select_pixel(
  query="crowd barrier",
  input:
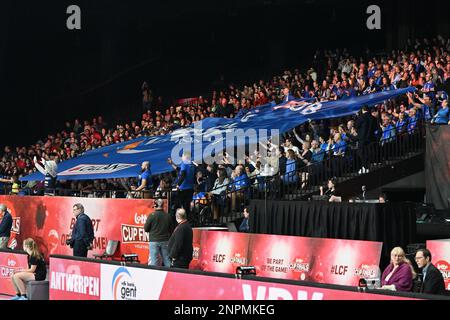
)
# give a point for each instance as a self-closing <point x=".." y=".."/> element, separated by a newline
<point x="86" y="279"/>
<point x="49" y="221"/>
<point x="330" y="261"/>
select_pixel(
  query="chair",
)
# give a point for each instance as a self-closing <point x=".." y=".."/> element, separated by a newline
<point x="38" y="290"/>
<point x="110" y="251"/>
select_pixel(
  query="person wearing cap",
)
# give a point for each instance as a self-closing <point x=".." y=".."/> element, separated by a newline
<point x="443" y="115"/>
<point x="159" y="225"/>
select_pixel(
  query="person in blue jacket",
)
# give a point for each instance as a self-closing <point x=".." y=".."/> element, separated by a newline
<point x="443" y="115"/>
<point x="185" y="183"/>
<point x="145" y="181"/>
<point x="240" y="186"/>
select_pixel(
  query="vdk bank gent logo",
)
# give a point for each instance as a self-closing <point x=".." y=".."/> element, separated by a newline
<point x="122" y="286"/>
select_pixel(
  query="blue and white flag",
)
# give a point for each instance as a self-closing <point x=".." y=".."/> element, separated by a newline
<point x="124" y="160"/>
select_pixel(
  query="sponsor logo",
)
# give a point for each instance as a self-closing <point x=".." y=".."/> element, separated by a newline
<point x="6" y="271"/>
<point x="276" y="293"/>
<point x="16" y="225"/>
<point x="134" y="234"/>
<point x="131" y="148"/>
<point x="209" y="145"/>
<point x="304" y="107"/>
<point x="196" y="252"/>
<point x="85" y="169"/>
<point x="140" y="218"/>
<point x="12" y="263"/>
<point x="300" y="266"/>
<point x="238" y="259"/>
<point x="75" y="283"/>
<point x="367" y="271"/>
<point x="123" y="286"/>
<point x="444" y="268"/>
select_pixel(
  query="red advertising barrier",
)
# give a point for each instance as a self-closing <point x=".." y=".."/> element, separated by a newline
<point x="49" y="221"/>
<point x="440" y="252"/>
<point x="179" y="287"/>
<point x="92" y="281"/>
<point x="223" y="251"/>
<point x="74" y="280"/>
<point x="9" y="263"/>
<point x="282" y="257"/>
<point x="331" y="261"/>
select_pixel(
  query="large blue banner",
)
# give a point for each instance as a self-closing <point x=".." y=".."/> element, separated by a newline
<point x="124" y="160"/>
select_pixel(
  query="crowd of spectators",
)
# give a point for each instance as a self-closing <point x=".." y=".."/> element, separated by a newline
<point x="333" y="75"/>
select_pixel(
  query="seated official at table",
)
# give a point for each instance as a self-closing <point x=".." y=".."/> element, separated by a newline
<point x="432" y="280"/>
<point x="399" y="274"/>
<point x="331" y="191"/>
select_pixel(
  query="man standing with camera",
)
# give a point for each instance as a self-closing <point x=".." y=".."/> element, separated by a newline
<point x="82" y="233"/>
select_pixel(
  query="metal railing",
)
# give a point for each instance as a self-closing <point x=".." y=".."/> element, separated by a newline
<point x="305" y="181"/>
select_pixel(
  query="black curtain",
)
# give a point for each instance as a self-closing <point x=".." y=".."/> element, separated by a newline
<point x="394" y="224"/>
<point x="437" y="166"/>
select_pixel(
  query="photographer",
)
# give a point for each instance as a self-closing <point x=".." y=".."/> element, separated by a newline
<point x="82" y="233"/>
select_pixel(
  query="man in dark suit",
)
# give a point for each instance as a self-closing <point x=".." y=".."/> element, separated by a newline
<point x="82" y="233"/>
<point x="432" y="280"/>
<point x="244" y="226"/>
<point x="6" y="222"/>
<point x="363" y="126"/>
<point x="180" y="243"/>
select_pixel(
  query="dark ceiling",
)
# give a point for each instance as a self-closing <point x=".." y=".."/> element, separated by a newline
<point x="49" y="74"/>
